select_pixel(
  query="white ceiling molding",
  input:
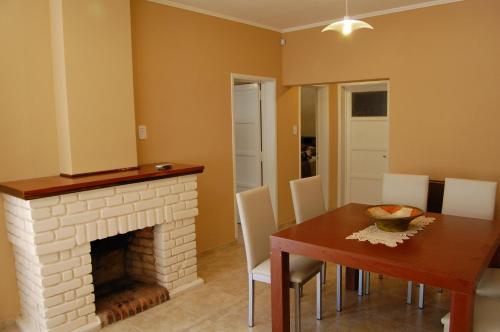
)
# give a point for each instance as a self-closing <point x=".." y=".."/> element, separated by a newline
<point x="214" y="14"/>
<point x="306" y="26"/>
<point x="373" y="14"/>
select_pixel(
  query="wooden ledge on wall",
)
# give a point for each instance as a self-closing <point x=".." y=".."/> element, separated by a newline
<point x="58" y="185"/>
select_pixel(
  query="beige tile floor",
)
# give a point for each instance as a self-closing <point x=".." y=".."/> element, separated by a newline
<point x="221" y="304"/>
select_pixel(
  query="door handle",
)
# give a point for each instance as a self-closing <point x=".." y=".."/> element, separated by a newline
<point x="384" y="156"/>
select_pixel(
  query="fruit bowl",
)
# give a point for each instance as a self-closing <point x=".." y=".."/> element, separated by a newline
<point x="392" y="217"/>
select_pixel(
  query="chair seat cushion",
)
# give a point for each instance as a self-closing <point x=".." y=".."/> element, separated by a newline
<point x="489" y="285"/>
<point x="301" y="269"/>
<point x="486" y="317"/>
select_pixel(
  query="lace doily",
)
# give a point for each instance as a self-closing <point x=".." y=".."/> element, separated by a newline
<point x="391" y="239"/>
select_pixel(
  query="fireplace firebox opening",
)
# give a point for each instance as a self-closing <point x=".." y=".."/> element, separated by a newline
<point x="124" y="275"/>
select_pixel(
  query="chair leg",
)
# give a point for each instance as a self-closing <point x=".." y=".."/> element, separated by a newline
<point x="339" y="287"/>
<point x="319" y="295"/>
<point x="297" y="307"/>
<point x="323" y="272"/>
<point x="251" y="295"/>
<point x="360" y="282"/>
<point x="421" y="295"/>
<point x="409" y="293"/>
<point x="367" y="283"/>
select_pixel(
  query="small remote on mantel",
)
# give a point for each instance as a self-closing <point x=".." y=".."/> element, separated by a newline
<point x="163" y="166"/>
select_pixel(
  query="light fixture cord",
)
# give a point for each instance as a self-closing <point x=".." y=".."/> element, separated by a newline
<point x="346" y="12"/>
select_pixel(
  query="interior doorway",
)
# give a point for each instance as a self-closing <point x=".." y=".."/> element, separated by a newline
<point x="308" y="131"/>
<point x="363" y="141"/>
<point x="253" y="105"/>
<point x="314" y="134"/>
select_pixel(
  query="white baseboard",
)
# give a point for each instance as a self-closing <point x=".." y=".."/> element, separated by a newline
<point x="91" y="327"/>
<point x="24" y="326"/>
<point x="7" y="323"/>
<point x="176" y="292"/>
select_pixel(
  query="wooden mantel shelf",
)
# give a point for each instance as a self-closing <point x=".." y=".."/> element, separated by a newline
<point x="58" y="185"/>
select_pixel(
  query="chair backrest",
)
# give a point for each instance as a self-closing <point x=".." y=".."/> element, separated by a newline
<point x="469" y="198"/>
<point x="307" y="197"/>
<point x="257" y="223"/>
<point x="406" y="189"/>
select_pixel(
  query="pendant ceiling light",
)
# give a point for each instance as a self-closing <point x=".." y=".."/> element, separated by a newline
<point x="347" y="25"/>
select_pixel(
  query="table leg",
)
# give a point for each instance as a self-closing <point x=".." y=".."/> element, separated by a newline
<point x="462" y="311"/>
<point x="495" y="262"/>
<point x="280" y="295"/>
<point x="351" y="278"/>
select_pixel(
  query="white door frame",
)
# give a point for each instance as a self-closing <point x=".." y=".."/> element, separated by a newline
<point x="342" y="140"/>
<point x="269" y="137"/>
<point x="322" y="138"/>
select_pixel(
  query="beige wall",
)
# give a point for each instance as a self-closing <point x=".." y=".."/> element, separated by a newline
<point x="308" y="100"/>
<point x="443" y="66"/>
<point x="28" y="140"/>
<point x="288" y="150"/>
<point x="182" y="66"/>
<point x="92" y="57"/>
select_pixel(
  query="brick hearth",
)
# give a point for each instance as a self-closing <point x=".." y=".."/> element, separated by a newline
<point x="136" y="299"/>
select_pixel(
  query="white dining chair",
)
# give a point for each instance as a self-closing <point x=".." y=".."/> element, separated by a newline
<point x="412" y="190"/>
<point x="307" y="197"/>
<point x="308" y="203"/>
<point x="474" y="199"/>
<point x="469" y="198"/>
<point x="258" y="224"/>
<point x="486" y="315"/>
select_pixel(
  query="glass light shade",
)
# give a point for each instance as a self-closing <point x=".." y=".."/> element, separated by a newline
<point x="347" y="25"/>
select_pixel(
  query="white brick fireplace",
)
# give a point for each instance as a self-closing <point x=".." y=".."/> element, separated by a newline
<point x="51" y="240"/>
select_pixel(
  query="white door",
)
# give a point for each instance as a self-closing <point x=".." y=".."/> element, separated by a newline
<point x="367" y="140"/>
<point x="247" y="136"/>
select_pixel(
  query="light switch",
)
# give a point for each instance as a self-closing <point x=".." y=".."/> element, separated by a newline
<point x="294" y="130"/>
<point x="143" y="132"/>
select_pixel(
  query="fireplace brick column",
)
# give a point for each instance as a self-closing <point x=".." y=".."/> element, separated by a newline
<point x="51" y="240"/>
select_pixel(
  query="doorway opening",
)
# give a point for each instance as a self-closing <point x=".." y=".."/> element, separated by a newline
<point x="363" y="141"/>
<point x="308" y="131"/>
<point x="254" y="136"/>
<point x="314" y="134"/>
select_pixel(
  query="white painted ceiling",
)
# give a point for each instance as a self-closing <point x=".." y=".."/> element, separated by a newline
<point x="284" y="15"/>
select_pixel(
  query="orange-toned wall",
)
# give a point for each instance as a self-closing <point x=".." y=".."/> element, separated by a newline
<point x="28" y="140"/>
<point x="182" y="65"/>
<point x="92" y="60"/>
<point x="288" y="151"/>
<point x="443" y="66"/>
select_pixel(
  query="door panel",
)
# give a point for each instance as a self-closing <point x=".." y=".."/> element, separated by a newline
<point x="368" y="133"/>
<point x="247" y="174"/>
<point x="244" y="137"/>
<point x="365" y="190"/>
<point x="247" y="136"/>
<point x="368" y="163"/>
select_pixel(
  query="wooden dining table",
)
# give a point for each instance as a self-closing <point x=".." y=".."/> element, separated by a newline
<point x="451" y="253"/>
